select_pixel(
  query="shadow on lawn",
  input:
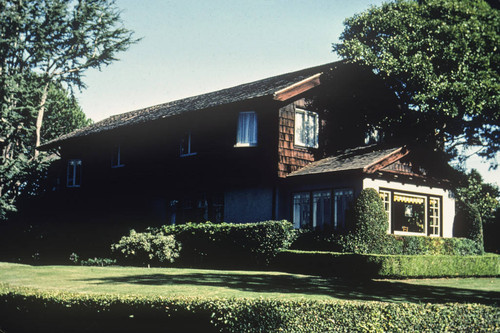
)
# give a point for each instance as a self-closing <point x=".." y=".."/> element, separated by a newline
<point x="343" y="289"/>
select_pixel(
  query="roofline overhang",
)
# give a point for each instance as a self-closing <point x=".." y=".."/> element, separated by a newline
<point x="297" y="88"/>
<point x="386" y="160"/>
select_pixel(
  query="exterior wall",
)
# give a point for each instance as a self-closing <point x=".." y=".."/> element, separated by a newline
<point x="448" y="205"/>
<point x="248" y="205"/>
<point x="290" y="158"/>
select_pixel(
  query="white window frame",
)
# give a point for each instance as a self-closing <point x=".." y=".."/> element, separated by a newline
<point x="72" y="172"/>
<point x="181" y="145"/>
<point x="386" y="197"/>
<point x="299" y="136"/>
<point x="251" y="137"/>
<point x="434" y="216"/>
<point x="424" y="233"/>
<point x="118" y="163"/>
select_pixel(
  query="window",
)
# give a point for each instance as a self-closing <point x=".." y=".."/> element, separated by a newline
<point x="434" y="216"/>
<point x="315" y="209"/>
<point x="306" y="128"/>
<point x="246" y="135"/>
<point x="342" y="200"/>
<point x="301" y="209"/>
<point x="409" y="213"/>
<point x="322" y="209"/>
<point x="74" y="173"/>
<point x="116" y="158"/>
<point x="386" y="200"/>
<point x="186" y="148"/>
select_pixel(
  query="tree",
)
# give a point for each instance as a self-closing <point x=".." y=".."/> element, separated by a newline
<point x="441" y="60"/>
<point x="45" y="48"/>
<point x="473" y="190"/>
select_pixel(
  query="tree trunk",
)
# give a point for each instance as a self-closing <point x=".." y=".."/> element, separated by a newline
<point x="39" y="119"/>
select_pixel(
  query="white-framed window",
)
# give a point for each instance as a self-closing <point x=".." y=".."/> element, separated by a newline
<point x="306" y="128"/>
<point x="74" y="173"/>
<point x="434" y="216"/>
<point x="246" y="134"/>
<point x="116" y="157"/>
<point x="186" y="148"/>
<point x="386" y="200"/>
<point x="316" y="209"/>
<point x="342" y="198"/>
<point x="410" y="213"/>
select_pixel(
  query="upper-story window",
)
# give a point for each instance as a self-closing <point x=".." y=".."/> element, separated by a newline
<point x="186" y="145"/>
<point x="306" y="128"/>
<point x="116" y="157"/>
<point x="246" y="135"/>
<point x="74" y="173"/>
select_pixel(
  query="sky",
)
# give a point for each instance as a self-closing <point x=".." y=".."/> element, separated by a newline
<point x="190" y="47"/>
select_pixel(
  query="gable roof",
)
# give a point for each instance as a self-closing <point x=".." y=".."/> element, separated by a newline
<point x="281" y="87"/>
<point x="368" y="159"/>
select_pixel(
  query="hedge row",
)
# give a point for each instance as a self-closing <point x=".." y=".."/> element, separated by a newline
<point x="390" y="244"/>
<point x="394" y="266"/>
<point x="215" y="245"/>
<point x="44" y="311"/>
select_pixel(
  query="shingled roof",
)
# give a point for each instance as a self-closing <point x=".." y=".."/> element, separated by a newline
<point x="367" y="159"/>
<point x="261" y="88"/>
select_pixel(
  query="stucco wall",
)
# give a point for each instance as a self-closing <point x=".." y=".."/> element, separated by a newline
<point x="448" y="199"/>
<point x="248" y="205"/>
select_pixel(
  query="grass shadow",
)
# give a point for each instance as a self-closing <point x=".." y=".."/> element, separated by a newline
<point x="366" y="290"/>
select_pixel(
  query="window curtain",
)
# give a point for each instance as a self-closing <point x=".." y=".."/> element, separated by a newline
<point x="247" y="129"/>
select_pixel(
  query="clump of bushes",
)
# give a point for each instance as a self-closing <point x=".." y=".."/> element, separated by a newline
<point x="54" y="311"/>
<point x="224" y="244"/>
<point x="147" y="247"/>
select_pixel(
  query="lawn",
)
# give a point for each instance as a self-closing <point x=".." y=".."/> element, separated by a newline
<point x="175" y="282"/>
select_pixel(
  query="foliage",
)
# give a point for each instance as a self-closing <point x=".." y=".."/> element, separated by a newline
<point x="385" y="266"/>
<point x="470" y="214"/>
<point x="98" y="262"/>
<point x="78" y="312"/>
<point x="369" y="234"/>
<point x="231" y="243"/>
<point x="483" y="195"/>
<point x="146" y="247"/>
<point x="441" y="60"/>
<point x="45" y="48"/>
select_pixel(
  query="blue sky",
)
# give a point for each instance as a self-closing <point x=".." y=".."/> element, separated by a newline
<point x="190" y="47"/>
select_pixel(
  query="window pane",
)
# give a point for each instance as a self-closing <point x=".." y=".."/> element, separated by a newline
<point x="342" y="200"/>
<point x="247" y="129"/>
<point x="434" y="216"/>
<point x="409" y="213"/>
<point x="322" y="209"/>
<point x="306" y="128"/>
<point x="301" y="209"/>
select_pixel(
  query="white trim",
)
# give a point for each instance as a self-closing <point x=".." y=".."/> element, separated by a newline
<point x="297" y="140"/>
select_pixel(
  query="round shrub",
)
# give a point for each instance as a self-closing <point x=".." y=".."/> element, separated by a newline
<point x="369" y="234"/>
<point x="146" y="247"/>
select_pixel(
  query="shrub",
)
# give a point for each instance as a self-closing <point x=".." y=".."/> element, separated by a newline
<point x="369" y="234"/>
<point x="53" y="311"/>
<point x="146" y="247"/>
<point x="385" y="266"/>
<point x="230" y="244"/>
<point x="98" y="262"/>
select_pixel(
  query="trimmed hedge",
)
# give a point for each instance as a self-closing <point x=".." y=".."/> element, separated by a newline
<point x="48" y="311"/>
<point x="385" y="266"/>
<point x="220" y="245"/>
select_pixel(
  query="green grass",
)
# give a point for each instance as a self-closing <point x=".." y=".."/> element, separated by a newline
<point x="176" y="282"/>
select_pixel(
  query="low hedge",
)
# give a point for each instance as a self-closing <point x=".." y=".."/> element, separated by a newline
<point x="217" y="245"/>
<point x="25" y="309"/>
<point x="385" y="266"/>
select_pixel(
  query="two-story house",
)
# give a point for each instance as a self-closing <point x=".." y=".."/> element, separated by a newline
<point x="243" y="154"/>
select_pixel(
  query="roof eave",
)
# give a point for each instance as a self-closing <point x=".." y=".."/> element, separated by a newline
<point x="297" y="88"/>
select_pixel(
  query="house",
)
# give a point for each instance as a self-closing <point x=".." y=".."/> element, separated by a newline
<point x="252" y="152"/>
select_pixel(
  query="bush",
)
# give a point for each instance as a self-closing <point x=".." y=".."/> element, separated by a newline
<point x="385" y="266"/>
<point x="53" y="311"/>
<point x="369" y="234"/>
<point x="145" y="248"/>
<point x="98" y="262"/>
<point x="228" y="244"/>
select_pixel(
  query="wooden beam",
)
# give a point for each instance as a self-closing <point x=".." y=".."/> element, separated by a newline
<point x="386" y="160"/>
<point x="297" y="88"/>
